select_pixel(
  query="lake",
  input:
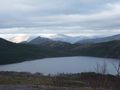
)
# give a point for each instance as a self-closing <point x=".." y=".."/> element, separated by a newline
<point x="62" y="65"/>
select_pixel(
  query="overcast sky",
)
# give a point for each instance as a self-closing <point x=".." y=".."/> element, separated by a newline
<point x="71" y="17"/>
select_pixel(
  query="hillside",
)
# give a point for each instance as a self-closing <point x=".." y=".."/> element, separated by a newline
<point x="13" y="53"/>
<point x="51" y="44"/>
<point x="107" y="49"/>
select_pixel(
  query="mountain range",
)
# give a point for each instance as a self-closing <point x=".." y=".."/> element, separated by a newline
<point x="55" y="37"/>
<point x="43" y="47"/>
<point x="76" y="39"/>
<point x="67" y="39"/>
<point x="99" y="40"/>
<point x="101" y="47"/>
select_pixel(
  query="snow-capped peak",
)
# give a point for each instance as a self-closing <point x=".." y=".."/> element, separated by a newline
<point x="65" y="38"/>
<point x="59" y="36"/>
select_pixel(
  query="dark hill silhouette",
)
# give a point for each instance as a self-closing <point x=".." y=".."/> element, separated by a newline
<point x="13" y="53"/>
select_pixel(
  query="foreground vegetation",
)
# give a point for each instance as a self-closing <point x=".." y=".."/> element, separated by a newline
<point x="90" y="81"/>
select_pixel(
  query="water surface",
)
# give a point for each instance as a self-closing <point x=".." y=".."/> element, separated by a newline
<point x="61" y="65"/>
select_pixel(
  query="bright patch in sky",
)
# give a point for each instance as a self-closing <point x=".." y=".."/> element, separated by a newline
<point x="19" y="38"/>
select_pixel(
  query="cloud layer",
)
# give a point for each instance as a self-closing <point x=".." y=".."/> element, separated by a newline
<point x="89" y="17"/>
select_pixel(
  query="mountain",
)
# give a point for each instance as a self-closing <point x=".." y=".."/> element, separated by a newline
<point x="99" y="40"/>
<point x="40" y="40"/>
<point x="109" y="49"/>
<point x="5" y="43"/>
<point x="19" y="52"/>
<point x="13" y="53"/>
<point x="65" y="38"/>
<point x="50" y="44"/>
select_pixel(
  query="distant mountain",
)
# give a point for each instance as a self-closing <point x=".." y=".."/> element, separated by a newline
<point x="99" y="40"/>
<point x="50" y="44"/>
<point x="65" y="38"/>
<point x="40" y="40"/>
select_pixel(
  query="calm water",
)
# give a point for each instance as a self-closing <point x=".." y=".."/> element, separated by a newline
<point x="60" y="65"/>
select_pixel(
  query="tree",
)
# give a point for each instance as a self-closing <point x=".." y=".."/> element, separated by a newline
<point x="117" y="68"/>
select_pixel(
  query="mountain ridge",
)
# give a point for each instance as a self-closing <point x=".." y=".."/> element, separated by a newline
<point x="99" y="40"/>
<point x="14" y="53"/>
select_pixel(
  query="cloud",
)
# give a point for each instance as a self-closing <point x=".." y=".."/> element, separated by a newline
<point x="59" y="16"/>
<point x="19" y="38"/>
